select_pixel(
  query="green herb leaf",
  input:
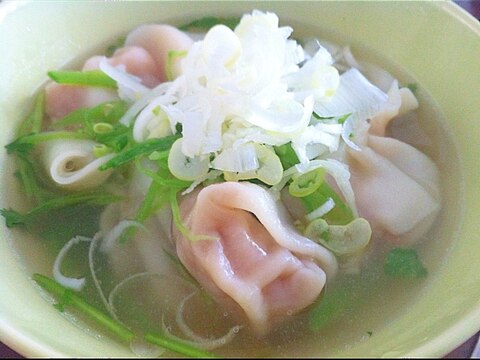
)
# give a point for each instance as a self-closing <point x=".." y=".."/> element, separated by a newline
<point x="68" y="298"/>
<point x="151" y="202"/>
<point x="83" y="78"/>
<point x="205" y="23"/>
<point x="13" y="217"/>
<point x="109" y="112"/>
<point x="140" y="149"/>
<point x="27" y="166"/>
<point x="404" y="263"/>
<point x="27" y="170"/>
<point x="33" y="123"/>
<point x="177" y="346"/>
<point x="24" y="144"/>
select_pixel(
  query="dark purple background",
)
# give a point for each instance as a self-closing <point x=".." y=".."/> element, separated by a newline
<point x="464" y="351"/>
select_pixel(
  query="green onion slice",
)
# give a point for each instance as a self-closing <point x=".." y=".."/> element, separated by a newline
<point x="307" y="183"/>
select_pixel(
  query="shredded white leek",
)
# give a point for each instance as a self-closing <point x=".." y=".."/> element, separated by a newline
<point x="321" y="210"/>
<point x="72" y="283"/>
<point x="355" y="96"/>
<point x="115" y="233"/>
<point x="199" y="341"/>
<point x="139" y="104"/>
<point x="144" y="349"/>
<point x="130" y="87"/>
<point x="211" y="175"/>
<point x="111" y="297"/>
<point x="91" y="264"/>
<point x="339" y="171"/>
<point x="248" y="87"/>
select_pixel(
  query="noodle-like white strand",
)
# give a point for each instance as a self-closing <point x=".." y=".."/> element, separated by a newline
<point x="113" y="293"/>
<point x="339" y="171"/>
<point x="129" y="86"/>
<point x="138" y="105"/>
<point x="211" y="175"/>
<point x="117" y="231"/>
<point x="96" y="282"/>
<point x="287" y="175"/>
<point x="145" y="350"/>
<point x="146" y="116"/>
<point x="72" y="283"/>
<point x="321" y="210"/>
<point x="166" y="89"/>
<point x="111" y="236"/>
<point x="205" y="344"/>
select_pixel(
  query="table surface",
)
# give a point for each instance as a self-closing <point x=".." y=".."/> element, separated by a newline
<point x="463" y="351"/>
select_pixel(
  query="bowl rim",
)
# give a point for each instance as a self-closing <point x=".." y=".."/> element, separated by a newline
<point x="464" y="328"/>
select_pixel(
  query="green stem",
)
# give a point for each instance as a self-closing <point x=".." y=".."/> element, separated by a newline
<point x="74" y="199"/>
<point x="85" y="78"/>
<point x="33" y="123"/>
<point x="15" y="218"/>
<point x="141" y="149"/>
<point x="68" y="297"/>
<point x="33" y="139"/>
<point x="177" y="346"/>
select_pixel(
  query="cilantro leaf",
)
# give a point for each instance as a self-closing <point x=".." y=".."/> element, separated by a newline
<point x="14" y="218"/>
<point x="404" y="263"/>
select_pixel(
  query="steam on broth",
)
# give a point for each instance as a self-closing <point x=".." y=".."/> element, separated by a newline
<point x="233" y="192"/>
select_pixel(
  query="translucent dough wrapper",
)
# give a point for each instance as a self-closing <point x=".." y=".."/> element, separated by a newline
<point x="72" y="165"/>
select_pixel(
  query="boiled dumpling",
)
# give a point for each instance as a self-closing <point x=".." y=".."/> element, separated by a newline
<point x="160" y="40"/>
<point x="255" y="263"/>
<point x="397" y="187"/>
<point x="400" y="101"/>
<point x="134" y="60"/>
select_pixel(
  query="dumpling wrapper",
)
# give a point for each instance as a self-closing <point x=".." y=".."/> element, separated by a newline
<point x="72" y="165"/>
<point x="397" y="188"/>
<point x="259" y="265"/>
<point x="62" y="99"/>
<point x="400" y="101"/>
<point x="159" y="40"/>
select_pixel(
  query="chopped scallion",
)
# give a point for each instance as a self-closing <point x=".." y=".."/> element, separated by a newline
<point x="140" y="149"/>
<point x="83" y="78"/>
<point x="307" y="183"/>
<point x="108" y="112"/>
<point x="341" y="214"/>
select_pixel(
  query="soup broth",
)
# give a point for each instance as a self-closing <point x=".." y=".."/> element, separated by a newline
<point x="351" y="309"/>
